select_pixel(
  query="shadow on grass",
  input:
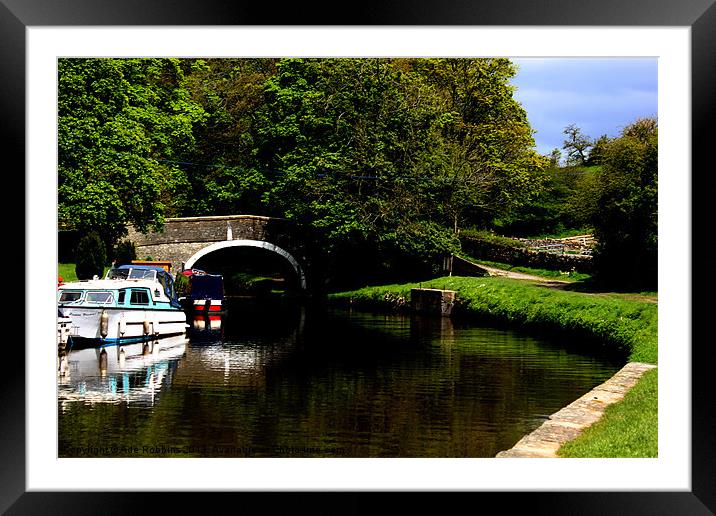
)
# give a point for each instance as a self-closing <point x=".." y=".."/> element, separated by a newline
<point x="594" y="286"/>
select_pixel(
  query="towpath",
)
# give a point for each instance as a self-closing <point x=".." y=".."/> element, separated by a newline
<point x="522" y="276"/>
<point x="561" y="284"/>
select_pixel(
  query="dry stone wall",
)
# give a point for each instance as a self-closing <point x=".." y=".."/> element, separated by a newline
<point x="525" y="257"/>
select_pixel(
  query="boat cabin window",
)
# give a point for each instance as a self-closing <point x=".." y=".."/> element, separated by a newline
<point x="120" y="297"/>
<point x="139" y="297"/>
<point x="68" y="296"/>
<point x="99" y="297"/>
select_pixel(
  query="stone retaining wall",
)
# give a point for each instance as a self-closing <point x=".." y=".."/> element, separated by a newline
<point x="579" y="244"/>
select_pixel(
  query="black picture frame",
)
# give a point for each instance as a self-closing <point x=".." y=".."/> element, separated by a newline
<point x="700" y="15"/>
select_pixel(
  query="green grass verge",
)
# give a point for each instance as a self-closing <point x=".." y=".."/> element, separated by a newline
<point x="622" y="325"/>
<point x="67" y="271"/>
<point x="627" y="429"/>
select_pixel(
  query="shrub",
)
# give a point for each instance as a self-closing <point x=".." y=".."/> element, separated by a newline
<point x="124" y="253"/>
<point x="491" y="238"/>
<point x="90" y="257"/>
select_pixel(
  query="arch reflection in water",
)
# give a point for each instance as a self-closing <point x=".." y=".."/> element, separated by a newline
<point x="133" y="373"/>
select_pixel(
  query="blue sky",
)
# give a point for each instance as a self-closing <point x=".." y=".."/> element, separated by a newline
<point x="599" y="95"/>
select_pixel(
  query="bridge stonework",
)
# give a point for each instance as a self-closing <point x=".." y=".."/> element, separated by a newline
<point x="183" y="238"/>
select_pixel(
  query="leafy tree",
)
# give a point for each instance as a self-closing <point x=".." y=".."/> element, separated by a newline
<point x="397" y="153"/>
<point x="121" y="122"/>
<point x="625" y="221"/>
<point x="580" y="206"/>
<point x="555" y="158"/>
<point x="490" y="165"/>
<point x="347" y="145"/>
<point x="221" y="168"/>
<point x="596" y="154"/>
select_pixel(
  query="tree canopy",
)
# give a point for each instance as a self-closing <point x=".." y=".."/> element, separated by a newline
<point x="120" y="123"/>
<point x="386" y="158"/>
<point x="626" y="216"/>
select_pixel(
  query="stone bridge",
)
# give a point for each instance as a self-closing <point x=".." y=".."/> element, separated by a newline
<point x="184" y="241"/>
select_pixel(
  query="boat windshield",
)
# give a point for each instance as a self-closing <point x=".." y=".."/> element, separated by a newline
<point x="145" y="273"/>
<point x="132" y="274"/>
<point x="118" y="274"/>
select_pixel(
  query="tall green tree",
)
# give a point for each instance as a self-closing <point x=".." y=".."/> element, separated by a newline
<point x="349" y="145"/>
<point x="491" y="166"/>
<point x="221" y="169"/>
<point x="626" y="218"/>
<point x="121" y="124"/>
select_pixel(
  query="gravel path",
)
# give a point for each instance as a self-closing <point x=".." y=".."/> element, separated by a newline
<point x="521" y="275"/>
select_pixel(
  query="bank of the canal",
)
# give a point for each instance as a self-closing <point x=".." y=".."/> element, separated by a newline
<point x="597" y="322"/>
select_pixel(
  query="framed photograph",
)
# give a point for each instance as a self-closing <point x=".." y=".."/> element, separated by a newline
<point x="677" y="39"/>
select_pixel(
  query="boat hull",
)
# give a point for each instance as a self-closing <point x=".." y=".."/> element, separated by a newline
<point x="122" y="326"/>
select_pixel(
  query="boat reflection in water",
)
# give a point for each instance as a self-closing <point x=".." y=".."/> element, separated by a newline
<point x="239" y="351"/>
<point x="206" y="329"/>
<point x="132" y="373"/>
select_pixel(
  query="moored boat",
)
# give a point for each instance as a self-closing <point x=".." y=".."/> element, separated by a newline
<point x="204" y="293"/>
<point x="131" y="304"/>
<point x="64" y="329"/>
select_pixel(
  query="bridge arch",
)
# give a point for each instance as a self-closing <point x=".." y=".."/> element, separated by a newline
<point x="249" y="243"/>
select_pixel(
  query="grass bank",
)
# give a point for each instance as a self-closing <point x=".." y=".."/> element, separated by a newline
<point x="67" y="271"/>
<point x="627" y="429"/>
<point x="621" y="325"/>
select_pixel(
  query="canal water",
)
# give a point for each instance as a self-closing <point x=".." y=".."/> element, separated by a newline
<point x="289" y="381"/>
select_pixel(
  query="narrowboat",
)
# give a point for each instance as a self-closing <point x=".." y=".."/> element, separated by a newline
<point x="204" y="293"/>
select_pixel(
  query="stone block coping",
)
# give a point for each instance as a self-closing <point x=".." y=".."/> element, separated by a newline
<point x="569" y="422"/>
